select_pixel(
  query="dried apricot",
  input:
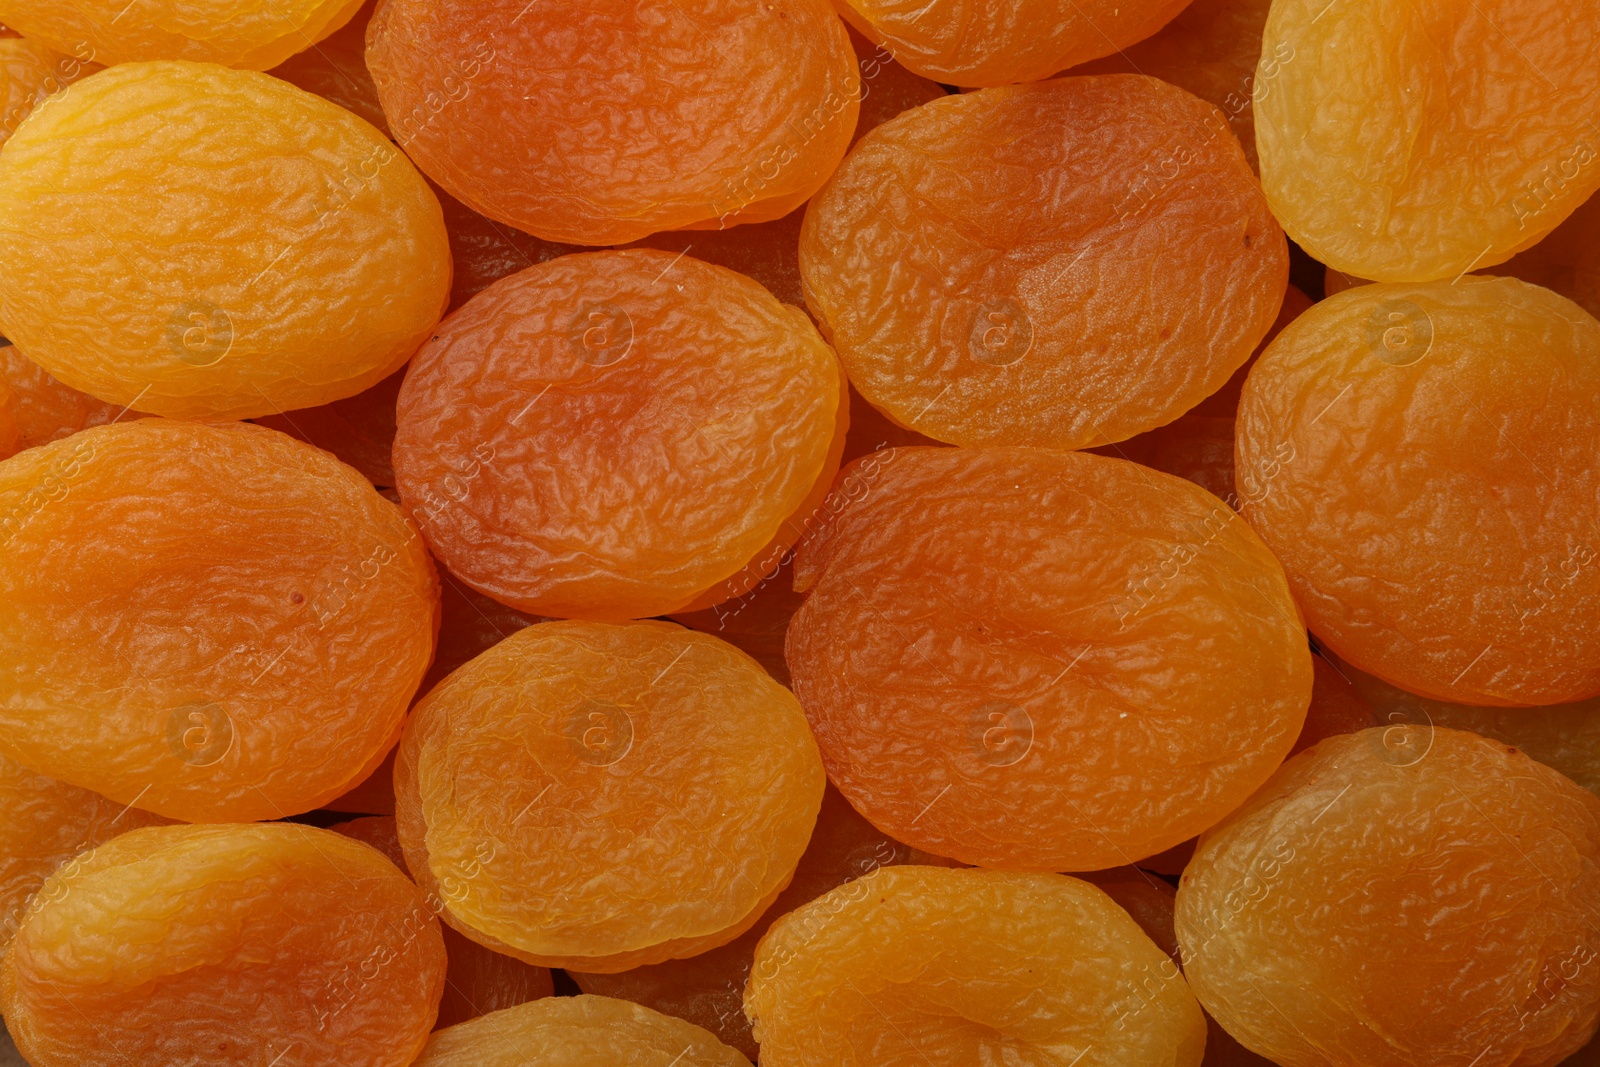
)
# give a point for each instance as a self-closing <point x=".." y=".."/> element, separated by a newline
<point x="198" y="241"/>
<point x="577" y="1032"/>
<point x="336" y="69"/>
<point x="668" y="115"/>
<point x="1563" y="736"/>
<point x="610" y="435"/>
<point x="1434" y="501"/>
<point x="47" y="823"/>
<point x="965" y="42"/>
<point x="708" y="989"/>
<point x="253" y="34"/>
<point x="477" y="980"/>
<point x="1043" y="660"/>
<point x="768" y="252"/>
<point x="1455" y="134"/>
<point x="45" y="410"/>
<point x="230" y="945"/>
<point x="30" y="72"/>
<point x="1486" y="873"/>
<point x="605" y="796"/>
<point x="1212" y="49"/>
<point x="967" y="966"/>
<point x="982" y="262"/>
<point x="1567" y="260"/>
<point x="213" y="621"/>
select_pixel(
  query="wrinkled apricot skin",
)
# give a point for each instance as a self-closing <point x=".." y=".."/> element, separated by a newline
<point x="993" y="638"/>
<point x="226" y="945"/>
<point x="1488" y="867"/>
<point x="251" y="34"/>
<point x="47" y="823"/>
<point x="30" y="72"/>
<point x="708" y="989"/>
<point x="668" y="115"/>
<point x="970" y="43"/>
<point x="609" y="435"/>
<point x="982" y="262"/>
<point x="1211" y="49"/>
<point x="213" y="621"/>
<point x="577" y="1032"/>
<point x="967" y="966"/>
<point x="477" y="981"/>
<point x="603" y="796"/>
<point x="1455" y="133"/>
<point x="42" y="408"/>
<point x="1420" y="458"/>
<point x="196" y="241"/>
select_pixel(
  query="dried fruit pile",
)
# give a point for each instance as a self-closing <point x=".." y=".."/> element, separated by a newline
<point x="828" y="533"/>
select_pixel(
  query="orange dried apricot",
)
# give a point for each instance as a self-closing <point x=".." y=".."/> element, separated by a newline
<point x="965" y="42"/>
<point x="925" y="964"/>
<point x="45" y="410"/>
<point x="229" y="945"/>
<point x="1563" y="736"/>
<point x="577" y="1032"/>
<point x="668" y="115"/>
<point x="252" y="34"/>
<point x="1486" y="876"/>
<point x="47" y="823"/>
<point x="213" y="621"/>
<point x="982" y="262"/>
<point x="610" y="435"/>
<point x="1567" y="260"/>
<point x="1043" y="660"/>
<point x="1421" y="460"/>
<point x="1212" y="49"/>
<point x="708" y="989"/>
<point x="30" y="72"/>
<point x="198" y="241"/>
<point x="604" y="796"/>
<point x="477" y="980"/>
<point x="1453" y="134"/>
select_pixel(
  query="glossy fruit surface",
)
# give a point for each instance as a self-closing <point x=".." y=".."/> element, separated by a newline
<point x="982" y="263"/>
<point x="1487" y="866"/>
<point x="969" y="966"/>
<point x="1043" y="660"/>
<point x="197" y="241"/>
<point x="212" y="620"/>
<point x="1456" y="133"/>
<point x="603" y="796"/>
<point x="609" y="435"/>
<point x="670" y="114"/>
<point x="253" y="34"/>
<point x="966" y="42"/>
<point x="227" y="945"/>
<point x="577" y="1032"/>
<point x="1419" y="457"/>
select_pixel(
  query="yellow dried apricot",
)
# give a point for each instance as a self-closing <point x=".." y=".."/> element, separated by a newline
<point x="982" y="263"/>
<point x="252" y="34"/>
<point x="577" y="1032"/>
<point x="615" y="435"/>
<point x="1414" y="142"/>
<point x="1421" y="460"/>
<point x="1043" y="660"/>
<point x="197" y="241"/>
<point x="1402" y="896"/>
<point x="931" y="965"/>
<point x="669" y="114"/>
<point x="30" y="72"/>
<point x="43" y="409"/>
<point x="233" y="946"/>
<point x="966" y="42"/>
<point x="47" y="823"/>
<point x="605" y="796"/>
<point x="213" y="621"/>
